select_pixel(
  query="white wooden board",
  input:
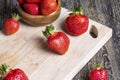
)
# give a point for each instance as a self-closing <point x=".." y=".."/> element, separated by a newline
<point x="27" y="50"/>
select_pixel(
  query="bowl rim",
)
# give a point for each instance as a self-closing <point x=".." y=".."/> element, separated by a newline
<point x="39" y="16"/>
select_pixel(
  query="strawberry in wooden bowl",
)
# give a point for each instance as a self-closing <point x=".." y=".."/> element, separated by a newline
<point x="39" y="12"/>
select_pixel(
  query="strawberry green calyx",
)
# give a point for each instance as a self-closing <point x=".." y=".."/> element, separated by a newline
<point x="15" y="16"/>
<point x="98" y="66"/>
<point x="3" y="70"/>
<point x="48" y="31"/>
<point x="78" y="10"/>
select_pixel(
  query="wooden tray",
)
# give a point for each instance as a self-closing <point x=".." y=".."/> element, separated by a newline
<point x="27" y="50"/>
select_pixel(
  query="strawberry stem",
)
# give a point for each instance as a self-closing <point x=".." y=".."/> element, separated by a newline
<point x="48" y="31"/>
<point x="15" y="16"/>
<point x="3" y="70"/>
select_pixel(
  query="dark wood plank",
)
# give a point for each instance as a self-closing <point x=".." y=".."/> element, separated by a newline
<point x="7" y="7"/>
<point x="107" y="13"/>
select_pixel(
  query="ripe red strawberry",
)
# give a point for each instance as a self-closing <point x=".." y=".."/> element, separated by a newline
<point x="33" y="1"/>
<point x="77" y="23"/>
<point x="12" y="74"/>
<point x="31" y="8"/>
<point x="48" y="6"/>
<point x="11" y="25"/>
<point x="56" y="41"/>
<point x="21" y="1"/>
<point x="99" y="73"/>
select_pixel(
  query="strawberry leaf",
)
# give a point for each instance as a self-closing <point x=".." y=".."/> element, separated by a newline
<point x="49" y="30"/>
<point x="97" y="66"/>
<point x="15" y="16"/>
<point x="3" y="70"/>
<point x="79" y="10"/>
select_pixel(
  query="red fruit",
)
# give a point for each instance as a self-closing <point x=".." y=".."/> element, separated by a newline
<point x="21" y="1"/>
<point x="33" y="1"/>
<point x="56" y="41"/>
<point x="48" y="6"/>
<point x="98" y="73"/>
<point x="11" y="25"/>
<point x="31" y="8"/>
<point x="12" y="74"/>
<point x="77" y="23"/>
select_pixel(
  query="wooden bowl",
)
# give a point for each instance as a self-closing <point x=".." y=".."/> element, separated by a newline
<point x="39" y="20"/>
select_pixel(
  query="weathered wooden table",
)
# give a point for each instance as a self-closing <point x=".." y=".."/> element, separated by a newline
<point x="106" y="12"/>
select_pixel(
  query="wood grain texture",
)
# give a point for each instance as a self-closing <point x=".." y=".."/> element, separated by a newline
<point x="107" y="13"/>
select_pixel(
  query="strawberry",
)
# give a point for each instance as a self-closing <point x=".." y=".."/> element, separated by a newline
<point x="56" y="41"/>
<point x="11" y="25"/>
<point x="31" y="8"/>
<point x="76" y="23"/>
<point x="33" y="1"/>
<point x="48" y="6"/>
<point x="20" y="1"/>
<point x="11" y="74"/>
<point x="98" y="73"/>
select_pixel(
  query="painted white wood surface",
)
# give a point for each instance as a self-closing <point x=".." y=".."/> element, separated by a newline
<point x="27" y="50"/>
